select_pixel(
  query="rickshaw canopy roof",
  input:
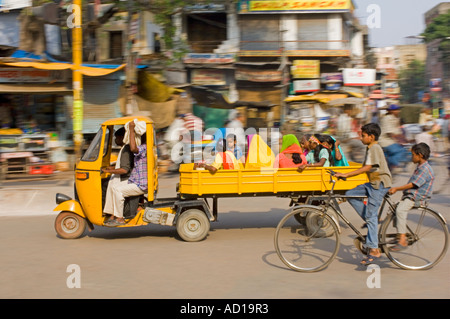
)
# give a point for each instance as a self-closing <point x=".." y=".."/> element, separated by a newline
<point x="125" y="120"/>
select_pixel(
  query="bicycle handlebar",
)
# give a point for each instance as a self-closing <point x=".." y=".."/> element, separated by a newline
<point x="333" y="173"/>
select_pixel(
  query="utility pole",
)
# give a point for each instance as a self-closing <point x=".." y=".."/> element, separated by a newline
<point x="77" y="78"/>
<point x="129" y="59"/>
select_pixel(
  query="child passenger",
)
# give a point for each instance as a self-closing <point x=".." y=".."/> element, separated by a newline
<point x="318" y="155"/>
<point x="233" y="148"/>
<point x="336" y="152"/>
<point x="419" y="188"/>
<point x="304" y="143"/>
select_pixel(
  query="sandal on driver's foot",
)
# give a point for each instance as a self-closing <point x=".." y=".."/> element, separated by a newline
<point x="114" y="223"/>
<point x="369" y="259"/>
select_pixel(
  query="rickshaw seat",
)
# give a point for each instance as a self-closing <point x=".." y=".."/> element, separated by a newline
<point x="131" y="205"/>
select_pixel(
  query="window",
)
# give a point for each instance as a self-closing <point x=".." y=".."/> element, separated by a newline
<point x="115" y="44"/>
<point x="93" y="150"/>
<point x="157" y="43"/>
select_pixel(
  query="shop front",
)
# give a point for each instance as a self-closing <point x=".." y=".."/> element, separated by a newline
<point x="36" y="132"/>
<point x="33" y="118"/>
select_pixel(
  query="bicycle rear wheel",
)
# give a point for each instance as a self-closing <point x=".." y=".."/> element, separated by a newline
<point x="303" y="249"/>
<point x="427" y="239"/>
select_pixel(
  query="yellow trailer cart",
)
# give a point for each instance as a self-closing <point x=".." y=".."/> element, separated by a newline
<point x="282" y="182"/>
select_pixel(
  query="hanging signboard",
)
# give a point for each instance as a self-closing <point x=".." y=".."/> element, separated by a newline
<point x="31" y="75"/>
<point x="331" y="77"/>
<point x="209" y="58"/>
<point x="6" y="5"/>
<point x="333" y="86"/>
<point x="305" y="69"/>
<point x="258" y="6"/>
<point x="208" y="77"/>
<point x="259" y="75"/>
<point x="302" y="86"/>
<point x="133" y="33"/>
<point x="205" y="7"/>
<point x="298" y="53"/>
<point x="359" y="77"/>
<point x="436" y="85"/>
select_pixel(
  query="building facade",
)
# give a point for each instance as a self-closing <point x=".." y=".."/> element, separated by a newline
<point x="279" y="47"/>
<point x="437" y="71"/>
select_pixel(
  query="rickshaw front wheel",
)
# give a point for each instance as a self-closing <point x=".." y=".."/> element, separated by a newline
<point x="69" y="225"/>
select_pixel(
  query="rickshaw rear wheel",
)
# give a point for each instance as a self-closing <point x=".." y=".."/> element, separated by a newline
<point x="69" y="225"/>
<point x="193" y="225"/>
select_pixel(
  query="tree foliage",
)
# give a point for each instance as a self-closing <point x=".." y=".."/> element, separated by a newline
<point x="412" y="80"/>
<point x="439" y="28"/>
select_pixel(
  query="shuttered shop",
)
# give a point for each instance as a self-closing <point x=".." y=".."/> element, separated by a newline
<point x="260" y="33"/>
<point x="101" y="101"/>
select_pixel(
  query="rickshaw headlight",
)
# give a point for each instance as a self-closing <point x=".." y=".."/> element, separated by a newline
<point x="61" y="198"/>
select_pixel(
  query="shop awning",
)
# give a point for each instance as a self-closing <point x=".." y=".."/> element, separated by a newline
<point x="348" y="100"/>
<point x="36" y="88"/>
<point x="85" y="70"/>
<point x="322" y="98"/>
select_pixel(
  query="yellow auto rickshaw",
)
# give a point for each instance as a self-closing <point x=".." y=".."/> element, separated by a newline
<point x="191" y="217"/>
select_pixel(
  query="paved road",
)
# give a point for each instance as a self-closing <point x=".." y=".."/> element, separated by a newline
<point x="236" y="261"/>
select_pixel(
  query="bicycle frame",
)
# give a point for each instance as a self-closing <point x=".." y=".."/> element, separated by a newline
<point x="331" y="201"/>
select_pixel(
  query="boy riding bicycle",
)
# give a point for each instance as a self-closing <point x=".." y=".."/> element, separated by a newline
<point x="419" y="188"/>
<point x="380" y="180"/>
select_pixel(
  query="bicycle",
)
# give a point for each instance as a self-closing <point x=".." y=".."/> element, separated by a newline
<point x="312" y="245"/>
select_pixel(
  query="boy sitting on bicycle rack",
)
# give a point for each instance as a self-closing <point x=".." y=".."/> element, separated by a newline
<point x="380" y="180"/>
<point x="419" y="188"/>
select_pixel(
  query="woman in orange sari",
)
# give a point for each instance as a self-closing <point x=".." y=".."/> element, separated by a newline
<point x="291" y="154"/>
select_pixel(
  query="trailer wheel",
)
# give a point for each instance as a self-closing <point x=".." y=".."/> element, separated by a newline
<point x="318" y="225"/>
<point x="69" y="225"/>
<point x="300" y="217"/>
<point x="193" y="225"/>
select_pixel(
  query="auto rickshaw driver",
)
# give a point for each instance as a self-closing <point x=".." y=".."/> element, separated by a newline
<point x="137" y="183"/>
<point x="120" y="174"/>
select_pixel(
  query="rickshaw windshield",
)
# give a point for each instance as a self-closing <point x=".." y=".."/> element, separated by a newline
<point x="93" y="150"/>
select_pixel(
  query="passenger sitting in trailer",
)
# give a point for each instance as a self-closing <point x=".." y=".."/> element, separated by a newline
<point x="224" y="159"/>
<point x="318" y="155"/>
<point x="234" y="148"/>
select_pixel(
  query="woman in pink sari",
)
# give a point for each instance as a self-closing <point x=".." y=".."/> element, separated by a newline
<point x="291" y="154"/>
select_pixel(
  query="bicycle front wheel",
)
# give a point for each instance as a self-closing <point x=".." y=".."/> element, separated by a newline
<point x="303" y="249"/>
<point x="427" y="235"/>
